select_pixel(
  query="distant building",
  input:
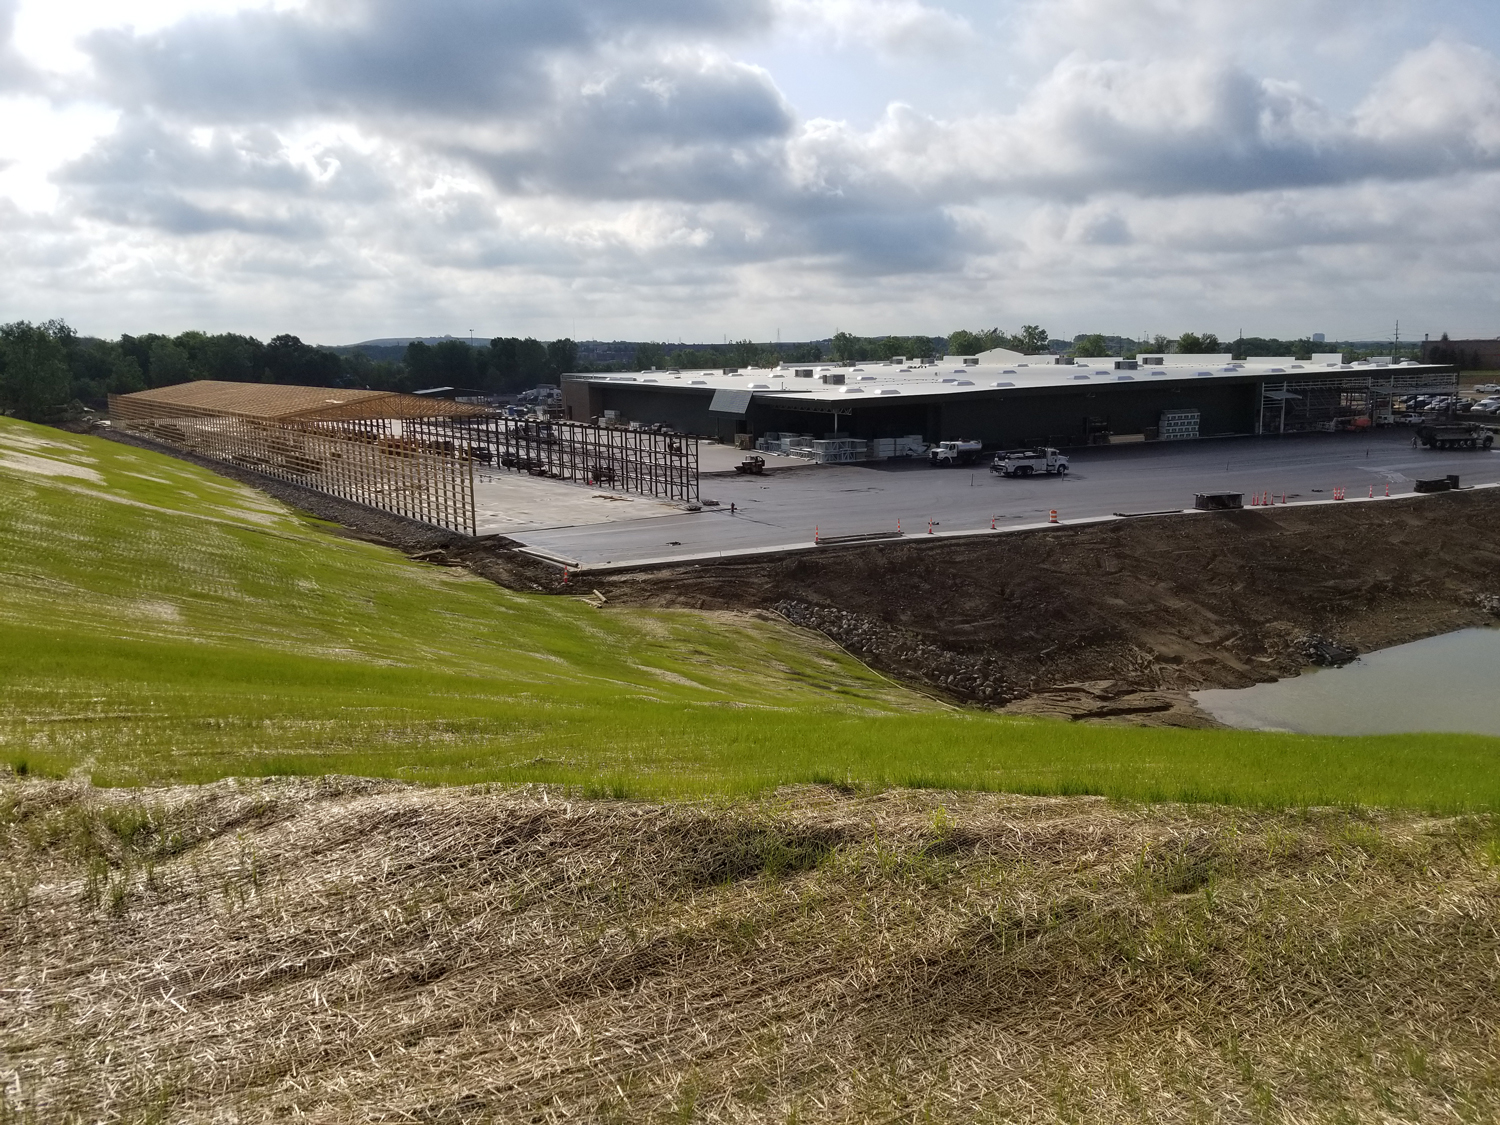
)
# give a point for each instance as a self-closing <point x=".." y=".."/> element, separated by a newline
<point x="1318" y="338"/>
<point x="1469" y="355"/>
<point x="1006" y="399"/>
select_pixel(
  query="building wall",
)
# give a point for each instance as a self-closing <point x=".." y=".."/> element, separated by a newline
<point x="998" y="418"/>
<point x="1472" y="355"/>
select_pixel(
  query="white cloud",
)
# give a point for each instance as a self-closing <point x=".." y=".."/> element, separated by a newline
<point x="334" y="167"/>
<point x="893" y="27"/>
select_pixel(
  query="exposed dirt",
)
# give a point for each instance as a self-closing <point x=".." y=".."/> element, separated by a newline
<point x="1108" y="622"/>
<point x="1118" y="621"/>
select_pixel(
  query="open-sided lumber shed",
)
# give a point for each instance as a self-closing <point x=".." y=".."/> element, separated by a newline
<point x="401" y="453"/>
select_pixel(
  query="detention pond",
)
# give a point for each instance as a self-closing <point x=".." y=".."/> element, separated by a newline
<point x="1447" y="683"/>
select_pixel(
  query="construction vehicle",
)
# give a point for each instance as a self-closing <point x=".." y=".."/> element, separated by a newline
<point x="949" y="453"/>
<point x="1455" y="435"/>
<point x="1029" y="462"/>
<point x="752" y="466"/>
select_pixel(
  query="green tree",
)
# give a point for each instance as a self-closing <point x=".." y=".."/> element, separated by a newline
<point x="288" y="360"/>
<point x="228" y="356"/>
<point x="1192" y="343"/>
<point x="562" y="356"/>
<point x="964" y="342"/>
<point x="170" y="364"/>
<point x="1092" y="344"/>
<point x="34" y="375"/>
<point x="650" y="355"/>
<point x="845" y="347"/>
<point x="1032" y="340"/>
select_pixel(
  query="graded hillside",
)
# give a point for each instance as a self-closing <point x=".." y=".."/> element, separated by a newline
<point x="163" y="624"/>
<point x="355" y="951"/>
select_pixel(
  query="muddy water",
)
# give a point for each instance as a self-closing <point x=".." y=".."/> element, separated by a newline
<point x="1447" y="683"/>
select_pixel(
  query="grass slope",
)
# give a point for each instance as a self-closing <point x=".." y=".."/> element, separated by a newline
<point x="159" y="623"/>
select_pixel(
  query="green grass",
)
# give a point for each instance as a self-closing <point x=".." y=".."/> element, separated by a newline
<point x="161" y="624"/>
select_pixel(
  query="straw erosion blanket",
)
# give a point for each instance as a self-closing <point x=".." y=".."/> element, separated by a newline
<point x="341" y="950"/>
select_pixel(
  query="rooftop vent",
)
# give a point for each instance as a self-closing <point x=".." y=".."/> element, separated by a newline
<point x="1003" y="384"/>
<point x="963" y="382"/>
<point x="853" y="391"/>
<point x="890" y="390"/>
<point x="802" y="373"/>
<point x="1208" y="373"/>
<point x="1124" y="378"/>
<point x="1083" y="376"/>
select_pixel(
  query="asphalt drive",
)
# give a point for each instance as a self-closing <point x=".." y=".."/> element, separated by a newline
<point x="784" y="510"/>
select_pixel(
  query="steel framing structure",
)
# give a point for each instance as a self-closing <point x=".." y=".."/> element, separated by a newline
<point x="1298" y="404"/>
<point x="647" y="462"/>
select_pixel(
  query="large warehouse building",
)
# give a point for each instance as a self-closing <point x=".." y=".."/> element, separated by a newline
<point x="1006" y="399"/>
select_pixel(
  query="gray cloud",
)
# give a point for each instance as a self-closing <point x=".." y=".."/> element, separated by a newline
<point x="460" y="59"/>
<point x="689" y="128"/>
<point x="1180" y="128"/>
<point x="147" y="174"/>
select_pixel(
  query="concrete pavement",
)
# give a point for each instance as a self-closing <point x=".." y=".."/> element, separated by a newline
<point x="782" y="512"/>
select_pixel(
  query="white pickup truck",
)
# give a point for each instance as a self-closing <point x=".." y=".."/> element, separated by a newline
<point x="949" y="453"/>
<point x="1028" y="462"/>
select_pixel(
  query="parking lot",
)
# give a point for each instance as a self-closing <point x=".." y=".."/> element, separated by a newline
<point x="783" y="509"/>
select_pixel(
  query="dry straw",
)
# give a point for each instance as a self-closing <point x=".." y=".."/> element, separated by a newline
<point x="356" y="951"/>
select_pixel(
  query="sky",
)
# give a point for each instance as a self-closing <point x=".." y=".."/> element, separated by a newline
<point x="751" y="169"/>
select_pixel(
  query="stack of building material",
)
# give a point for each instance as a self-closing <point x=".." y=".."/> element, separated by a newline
<point x="840" y="451"/>
<point x="1178" y="425"/>
<point x="883" y="449"/>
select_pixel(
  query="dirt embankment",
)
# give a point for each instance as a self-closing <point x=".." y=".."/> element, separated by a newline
<point x="342" y="951"/>
<point x="1120" y="619"/>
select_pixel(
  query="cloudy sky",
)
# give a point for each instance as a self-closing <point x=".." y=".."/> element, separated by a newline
<point x="694" y="169"/>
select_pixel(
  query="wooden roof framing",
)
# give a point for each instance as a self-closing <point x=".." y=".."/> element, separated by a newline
<point x="275" y="402"/>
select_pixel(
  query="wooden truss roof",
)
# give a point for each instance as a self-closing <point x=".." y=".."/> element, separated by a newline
<point x="274" y="402"/>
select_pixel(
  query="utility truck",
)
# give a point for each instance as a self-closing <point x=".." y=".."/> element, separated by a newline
<point x="948" y="453"/>
<point x="1029" y="462"/>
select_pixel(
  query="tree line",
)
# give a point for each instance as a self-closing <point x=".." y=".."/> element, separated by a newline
<point x="46" y="367"/>
<point x="48" y="370"/>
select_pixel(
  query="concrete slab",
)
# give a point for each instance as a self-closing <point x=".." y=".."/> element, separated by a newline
<point x="507" y="502"/>
<point x="781" y="511"/>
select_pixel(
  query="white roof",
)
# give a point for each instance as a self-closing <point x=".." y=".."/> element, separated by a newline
<point x="890" y="380"/>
